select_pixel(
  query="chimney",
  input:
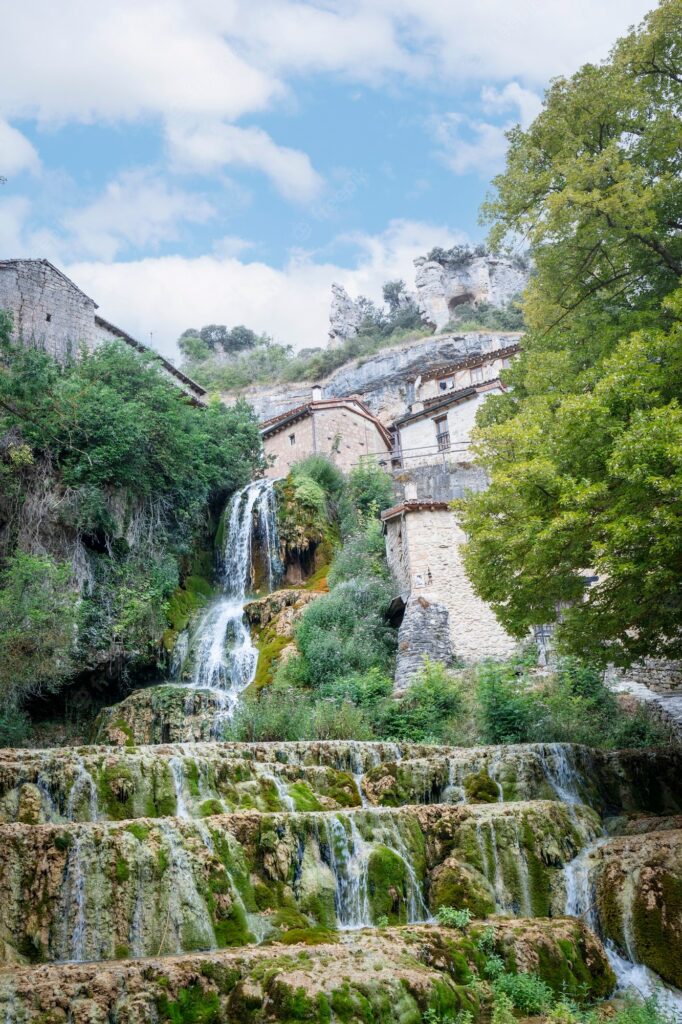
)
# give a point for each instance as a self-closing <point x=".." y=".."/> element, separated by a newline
<point x="317" y="393"/>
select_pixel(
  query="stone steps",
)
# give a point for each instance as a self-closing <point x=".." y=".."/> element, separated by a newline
<point x="391" y="974"/>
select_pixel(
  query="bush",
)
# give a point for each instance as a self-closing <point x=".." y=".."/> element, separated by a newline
<point x="278" y="712"/>
<point x="452" y="917"/>
<point x="362" y="555"/>
<point x="369" y="491"/>
<point x="527" y="992"/>
<point x="430" y="710"/>
<point x="505" y="706"/>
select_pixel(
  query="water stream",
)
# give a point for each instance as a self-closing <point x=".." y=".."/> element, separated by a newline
<point x="221" y="650"/>
<point x="630" y="975"/>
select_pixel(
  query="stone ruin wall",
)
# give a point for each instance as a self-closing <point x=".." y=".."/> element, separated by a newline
<point x="48" y="311"/>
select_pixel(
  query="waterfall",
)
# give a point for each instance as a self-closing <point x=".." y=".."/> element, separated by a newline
<point x="560" y="773"/>
<point x="630" y="975"/>
<point x="224" y="656"/>
<point x="186" y="910"/>
<point x="178" y="775"/>
<point x="349" y="856"/>
<point x="83" y="783"/>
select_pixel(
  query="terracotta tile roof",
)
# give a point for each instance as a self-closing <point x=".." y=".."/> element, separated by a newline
<point x="475" y="359"/>
<point x="415" y="505"/>
<point x="353" y="403"/>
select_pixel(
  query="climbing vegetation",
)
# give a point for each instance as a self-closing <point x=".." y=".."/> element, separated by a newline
<point x="582" y="524"/>
<point x="109" y="479"/>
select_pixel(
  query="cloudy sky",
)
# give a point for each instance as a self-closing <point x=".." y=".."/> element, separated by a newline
<point x="197" y="161"/>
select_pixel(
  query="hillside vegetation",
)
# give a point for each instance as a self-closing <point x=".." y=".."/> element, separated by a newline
<point x="108" y="481"/>
<point x="227" y="360"/>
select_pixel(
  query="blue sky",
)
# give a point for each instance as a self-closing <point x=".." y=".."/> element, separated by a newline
<point x="196" y="161"/>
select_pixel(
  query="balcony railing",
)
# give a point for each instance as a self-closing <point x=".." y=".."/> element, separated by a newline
<point x="443" y="441"/>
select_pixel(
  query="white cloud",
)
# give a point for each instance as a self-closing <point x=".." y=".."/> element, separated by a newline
<point x="16" y="152"/>
<point x="513" y="96"/>
<point x="467" y="144"/>
<point x="82" y="61"/>
<point x="209" y="147"/>
<point x="139" y="209"/>
<point x="164" y="296"/>
<point x="222" y="59"/>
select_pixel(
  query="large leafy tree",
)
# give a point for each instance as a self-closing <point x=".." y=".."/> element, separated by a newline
<point x="585" y="450"/>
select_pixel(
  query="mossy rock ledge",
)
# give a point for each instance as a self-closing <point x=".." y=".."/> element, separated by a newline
<point x="379" y="977"/>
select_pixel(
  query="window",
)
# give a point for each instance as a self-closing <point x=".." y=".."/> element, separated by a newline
<point x="442" y="384"/>
<point x="477" y="375"/>
<point x="292" y="438"/>
<point x="48" y="317"/>
<point x="442" y="433"/>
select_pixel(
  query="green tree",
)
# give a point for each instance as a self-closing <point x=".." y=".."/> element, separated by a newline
<point x="582" y="523"/>
<point x="38" y="607"/>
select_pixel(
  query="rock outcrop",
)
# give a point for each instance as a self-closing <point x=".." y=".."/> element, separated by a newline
<point x="345" y="316"/>
<point x="443" y="284"/>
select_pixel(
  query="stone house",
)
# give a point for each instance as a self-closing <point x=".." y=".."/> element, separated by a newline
<point x="50" y="312"/>
<point x="343" y="429"/>
<point x="443" y="616"/>
<point x="438" y="425"/>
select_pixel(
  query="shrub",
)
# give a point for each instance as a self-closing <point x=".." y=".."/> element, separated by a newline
<point x="363" y="554"/>
<point x="428" y="710"/>
<point x="369" y="491"/>
<point x="453" y="917"/>
<point x="527" y="992"/>
<point x="505" y="707"/>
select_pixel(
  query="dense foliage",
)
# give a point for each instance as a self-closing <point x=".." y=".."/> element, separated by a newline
<point x="339" y="685"/>
<point x="108" y="476"/>
<point x="585" y="451"/>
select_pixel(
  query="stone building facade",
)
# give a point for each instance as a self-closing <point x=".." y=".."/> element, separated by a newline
<point x="50" y="312"/>
<point x="423" y="546"/>
<point x="438" y="425"/>
<point x="343" y="429"/>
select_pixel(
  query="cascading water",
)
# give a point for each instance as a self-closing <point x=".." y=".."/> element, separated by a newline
<point x="630" y="975"/>
<point x="223" y="654"/>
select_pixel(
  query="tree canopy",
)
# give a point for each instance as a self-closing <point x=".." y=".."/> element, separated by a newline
<point x="582" y="523"/>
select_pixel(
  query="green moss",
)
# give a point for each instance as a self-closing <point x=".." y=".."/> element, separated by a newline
<point x="303" y="797"/>
<point x="387" y="881"/>
<point x="309" y="936"/>
<point x="191" y="773"/>
<point x="222" y="976"/>
<point x="63" y="841"/>
<point x="120" y="725"/>
<point x="342" y="789"/>
<point x="480" y="788"/>
<point x="139" y="830"/>
<point x="182" y="605"/>
<point x="121" y="952"/>
<point x="122" y="870"/>
<point x="116" y="788"/>
<point x="457" y="885"/>
<point x="193" y="1005"/>
<point x="233" y="930"/>
<point x="209" y="807"/>
<point x="270" y="645"/>
<point x="348" y="1004"/>
<point x="656" y="917"/>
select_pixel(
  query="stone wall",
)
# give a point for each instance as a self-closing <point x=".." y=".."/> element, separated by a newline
<point x="343" y="435"/>
<point x="424" y="633"/>
<point x="418" y="436"/>
<point x="425" y="546"/>
<point x="49" y="311"/>
<point x="440" y="387"/>
<point x="445" y="480"/>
